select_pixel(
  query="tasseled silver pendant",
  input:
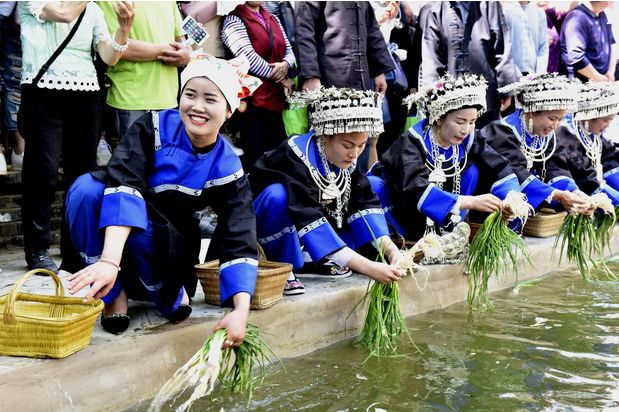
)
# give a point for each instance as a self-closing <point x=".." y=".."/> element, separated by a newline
<point x="437" y="175"/>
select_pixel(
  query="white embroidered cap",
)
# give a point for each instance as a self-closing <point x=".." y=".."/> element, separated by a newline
<point x="450" y="93"/>
<point x="230" y="76"/>
<point x="545" y="91"/>
<point x="597" y="99"/>
<point x="341" y="110"/>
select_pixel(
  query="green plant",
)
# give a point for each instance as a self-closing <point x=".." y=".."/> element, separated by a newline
<point x="494" y="251"/>
<point x="384" y="321"/>
<point x="582" y="236"/>
<point x="238" y="370"/>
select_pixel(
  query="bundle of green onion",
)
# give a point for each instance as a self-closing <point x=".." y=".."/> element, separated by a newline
<point x="495" y="250"/>
<point x="604" y="223"/>
<point x="384" y="321"/>
<point x="234" y="368"/>
<point x="583" y="236"/>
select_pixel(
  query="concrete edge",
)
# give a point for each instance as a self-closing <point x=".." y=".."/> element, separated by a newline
<point x="115" y="372"/>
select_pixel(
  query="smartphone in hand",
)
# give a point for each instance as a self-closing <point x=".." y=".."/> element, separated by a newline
<point x="195" y="31"/>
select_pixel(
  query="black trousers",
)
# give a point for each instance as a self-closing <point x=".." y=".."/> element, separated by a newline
<point x="54" y="124"/>
<point x="261" y="130"/>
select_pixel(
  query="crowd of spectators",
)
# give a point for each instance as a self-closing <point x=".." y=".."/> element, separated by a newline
<point x="124" y="61"/>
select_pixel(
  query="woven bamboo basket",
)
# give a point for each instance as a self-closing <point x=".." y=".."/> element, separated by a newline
<point x="269" y="286"/>
<point x="546" y="223"/>
<point x="43" y="326"/>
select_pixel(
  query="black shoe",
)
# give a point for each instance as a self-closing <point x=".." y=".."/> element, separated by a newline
<point x="115" y="322"/>
<point x="180" y="314"/>
<point x="324" y="269"/>
<point x="40" y="260"/>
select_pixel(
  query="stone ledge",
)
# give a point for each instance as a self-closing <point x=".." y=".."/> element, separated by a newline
<point x="115" y="372"/>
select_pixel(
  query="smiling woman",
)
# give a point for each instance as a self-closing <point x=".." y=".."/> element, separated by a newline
<point x="138" y="214"/>
<point x="203" y="109"/>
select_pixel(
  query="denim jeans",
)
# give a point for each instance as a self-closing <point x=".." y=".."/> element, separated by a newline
<point x="10" y="71"/>
<point x="123" y="119"/>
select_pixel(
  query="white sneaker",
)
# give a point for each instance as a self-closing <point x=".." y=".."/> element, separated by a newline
<point x="104" y="153"/>
<point x="3" y="170"/>
<point x="17" y="160"/>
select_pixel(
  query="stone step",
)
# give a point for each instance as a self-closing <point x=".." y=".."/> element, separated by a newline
<point x="10" y="180"/>
<point x="11" y="201"/>
<point x="11" y="233"/>
<point x="13" y="214"/>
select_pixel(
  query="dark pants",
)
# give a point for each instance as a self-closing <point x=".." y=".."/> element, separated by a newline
<point x="54" y="123"/>
<point x="123" y="119"/>
<point x="261" y="130"/>
<point x="10" y="71"/>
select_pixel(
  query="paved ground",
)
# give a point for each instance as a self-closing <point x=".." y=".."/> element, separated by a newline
<point x="143" y="314"/>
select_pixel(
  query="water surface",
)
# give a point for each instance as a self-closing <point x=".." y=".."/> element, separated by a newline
<point x="552" y="346"/>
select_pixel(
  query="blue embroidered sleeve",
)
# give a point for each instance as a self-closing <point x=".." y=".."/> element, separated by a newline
<point x="437" y="204"/>
<point x="366" y="223"/>
<point x="612" y="178"/>
<point x="536" y="190"/>
<point x="502" y="187"/>
<point x="236" y="276"/>
<point x="123" y="206"/>
<point x="563" y="183"/>
<point x="320" y="239"/>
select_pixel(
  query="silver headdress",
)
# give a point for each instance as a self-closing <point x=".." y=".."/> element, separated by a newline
<point x="341" y="110"/>
<point x="546" y="91"/>
<point x="597" y="99"/>
<point x="450" y="93"/>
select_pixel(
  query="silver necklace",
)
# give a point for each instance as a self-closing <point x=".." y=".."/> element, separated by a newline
<point x="593" y="148"/>
<point x="439" y="173"/>
<point x="536" y="151"/>
<point x="331" y="186"/>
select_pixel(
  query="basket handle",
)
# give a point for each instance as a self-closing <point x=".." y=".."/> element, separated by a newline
<point x="9" y="308"/>
<point x="261" y="254"/>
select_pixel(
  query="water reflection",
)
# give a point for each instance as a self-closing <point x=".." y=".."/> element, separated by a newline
<point x="552" y="346"/>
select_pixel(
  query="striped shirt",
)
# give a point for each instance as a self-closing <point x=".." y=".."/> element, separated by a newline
<point x="235" y="37"/>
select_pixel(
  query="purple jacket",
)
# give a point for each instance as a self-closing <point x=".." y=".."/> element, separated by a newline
<point x="586" y="39"/>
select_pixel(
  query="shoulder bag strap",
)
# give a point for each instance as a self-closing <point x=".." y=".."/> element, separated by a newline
<point x="59" y="50"/>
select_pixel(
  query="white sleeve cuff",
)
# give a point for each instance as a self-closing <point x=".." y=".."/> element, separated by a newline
<point x="389" y="249"/>
<point x="381" y="241"/>
<point x="342" y="256"/>
<point x="552" y="195"/>
<point x="456" y="209"/>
